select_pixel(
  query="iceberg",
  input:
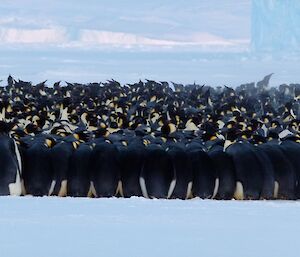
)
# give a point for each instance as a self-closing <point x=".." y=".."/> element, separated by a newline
<point x="275" y="25"/>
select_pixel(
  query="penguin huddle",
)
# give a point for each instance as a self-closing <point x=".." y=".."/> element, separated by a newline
<point x="150" y="139"/>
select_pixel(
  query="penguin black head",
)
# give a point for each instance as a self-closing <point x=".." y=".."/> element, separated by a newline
<point x="10" y="81"/>
<point x="167" y="128"/>
<point x="273" y="135"/>
<point x="100" y="132"/>
<point x="230" y="125"/>
<point x="81" y="134"/>
<point x="31" y="129"/>
<point x="232" y="134"/>
<point x="245" y="135"/>
<point x="5" y="127"/>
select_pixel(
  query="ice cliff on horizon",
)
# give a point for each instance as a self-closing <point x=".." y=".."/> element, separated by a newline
<point x="275" y="25"/>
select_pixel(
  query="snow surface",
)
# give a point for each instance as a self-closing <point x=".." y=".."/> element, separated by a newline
<point x="51" y="226"/>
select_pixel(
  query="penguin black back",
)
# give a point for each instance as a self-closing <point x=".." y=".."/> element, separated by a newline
<point x="157" y="174"/>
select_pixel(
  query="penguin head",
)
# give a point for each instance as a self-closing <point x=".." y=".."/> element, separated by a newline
<point x="6" y="127"/>
<point x="266" y="119"/>
<point x="244" y="135"/>
<point x="232" y="134"/>
<point x="275" y="124"/>
<point x="101" y="132"/>
<point x="293" y="125"/>
<point x="272" y="135"/>
<point x="142" y="130"/>
<point x="18" y="133"/>
<point x="31" y="129"/>
<point x="81" y="134"/>
<point x="258" y="139"/>
<point x="167" y="128"/>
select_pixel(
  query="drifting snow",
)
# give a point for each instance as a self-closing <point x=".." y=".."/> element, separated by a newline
<point x="139" y="227"/>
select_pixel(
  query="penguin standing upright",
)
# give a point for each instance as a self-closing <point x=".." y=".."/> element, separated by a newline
<point x="78" y="176"/>
<point x="105" y="169"/>
<point x="224" y="167"/>
<point x="131" y="162"/>
<point x="157" y="177"/>
<point x="205" y="181"/>
<point x="183" y="169"/>
<point x="284" y="173"/>
<point x="249" y="178"/>
<point x="291" y="150"/>
<point x="38" y="171"/>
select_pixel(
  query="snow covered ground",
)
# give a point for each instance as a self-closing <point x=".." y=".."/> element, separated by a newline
<point x="138" y="227"/>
